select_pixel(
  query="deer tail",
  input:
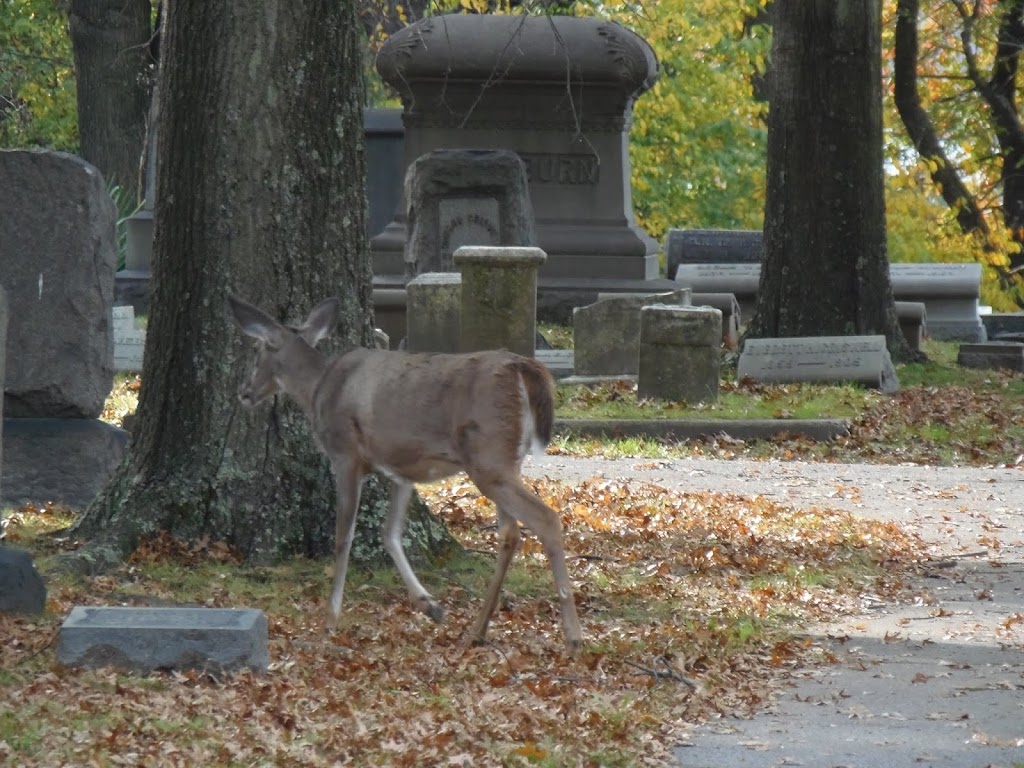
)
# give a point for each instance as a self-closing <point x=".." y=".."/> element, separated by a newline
<point x="540" y="393"/>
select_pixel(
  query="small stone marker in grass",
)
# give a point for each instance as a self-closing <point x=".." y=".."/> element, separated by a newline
<point x="144" y="639"/>
<point x="862" y="359"/>
<point x="993" y="354"/>
<point x="21" y="587"/>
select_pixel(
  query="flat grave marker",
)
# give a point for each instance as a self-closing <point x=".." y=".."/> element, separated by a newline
<point x="862" y="359"/>
<point x="144" y="639"/>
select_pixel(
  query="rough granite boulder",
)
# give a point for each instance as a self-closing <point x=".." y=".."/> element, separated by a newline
<point x="58" y="257"/>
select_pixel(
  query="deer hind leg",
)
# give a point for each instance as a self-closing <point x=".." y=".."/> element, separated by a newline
<point x="348" y="477"/>
<point x="512" y="497"/>
<point x="394" y="524"/>
<point x="508" y="542"/>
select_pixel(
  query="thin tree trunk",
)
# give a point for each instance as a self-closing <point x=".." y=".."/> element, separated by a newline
<point x="919" y="125"/>
<point x="825" y="268"/>
<point x="112" y="67"/>
<point x="259" y="191"/>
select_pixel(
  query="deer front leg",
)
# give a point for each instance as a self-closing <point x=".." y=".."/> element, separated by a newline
<point x="508" y="542"/>
<point x="394" y="524"/>
<point x="348" y="478"/>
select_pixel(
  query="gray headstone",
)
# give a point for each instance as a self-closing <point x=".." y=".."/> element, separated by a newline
<point x="499" y="298"/>
<point x="1004" y="326"/>
<point x="913" y="319"/>
<point x="993" y="354"/>
<point x="557" y="90"/>
<point x="606" y="335"/>
<point x="144" y="639"/>
<point x="129" y="342"/>
<point x="861" y="359"/>
<point x="434" y="306"/>
<point x="460" y="197"/>
<point x="57" y="260"/>
<point x="3" y="356"/>
<point x="60" y="460"/>
<point x="712" y="246"/>
<point x="21" y="587"/>
<point x="727" y="304"/>
<point x="680" y="353"/>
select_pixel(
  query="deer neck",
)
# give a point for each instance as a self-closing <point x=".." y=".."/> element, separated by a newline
<point x="304" y="376"/>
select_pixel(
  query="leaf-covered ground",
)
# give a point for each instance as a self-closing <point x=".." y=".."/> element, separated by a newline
<point x="691" y="605"/>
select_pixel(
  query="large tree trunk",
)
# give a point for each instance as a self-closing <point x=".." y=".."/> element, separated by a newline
<point x="113" y="71"/>
<point x="825" y="269"/>
<point x="259" y="191"/>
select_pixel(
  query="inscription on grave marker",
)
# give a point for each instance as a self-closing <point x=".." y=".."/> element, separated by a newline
<point x="467" y="221"/>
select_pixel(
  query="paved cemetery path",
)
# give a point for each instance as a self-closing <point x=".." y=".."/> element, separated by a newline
<point x="929" y="686"/>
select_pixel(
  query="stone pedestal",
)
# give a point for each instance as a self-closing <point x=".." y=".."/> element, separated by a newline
<point x="434" y="304"/>
<point x="499" y="298"/>
<point x="679" y="353"/>
<point x="559" y="92"/>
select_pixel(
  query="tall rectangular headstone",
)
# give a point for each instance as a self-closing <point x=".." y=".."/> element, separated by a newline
<point x="57" y="259"/>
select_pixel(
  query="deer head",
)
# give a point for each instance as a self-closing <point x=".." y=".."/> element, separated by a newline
<point x="280" y="349"/>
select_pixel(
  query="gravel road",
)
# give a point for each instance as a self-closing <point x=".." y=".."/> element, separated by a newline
<point x="916" y="686"/>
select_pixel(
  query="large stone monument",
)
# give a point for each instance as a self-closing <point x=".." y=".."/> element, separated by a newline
<point x="558" y="91"/>
<point x="57" y="259"/>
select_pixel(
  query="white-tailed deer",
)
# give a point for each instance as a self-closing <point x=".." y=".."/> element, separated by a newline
<point x="416" y="418"/>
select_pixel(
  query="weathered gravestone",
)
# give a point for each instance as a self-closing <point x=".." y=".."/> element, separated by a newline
<point x="462" y="197"/>
<point x="992" y="354"/>
<point x="712" y="246"/>
<point x="434" y="306"/>
<point x="129" y="342"/>
<point x="606" y="335"/>
<point x="144" y="639"/>
<point x="499" y="298"/>
<point x="680" y="353"/>
<point x="861" y="359"/>
<point x="950" y="293"/>
<point x="57" y="258"/>
<point x="558" y="91"/>
<point x="3" y="356"/>
<point x="21" y="587"/>
<point x="1004" y="326"/>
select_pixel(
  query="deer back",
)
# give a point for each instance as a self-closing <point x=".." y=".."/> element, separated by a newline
<point x="423" y="416"/>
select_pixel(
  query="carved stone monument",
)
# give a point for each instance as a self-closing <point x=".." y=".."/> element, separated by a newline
<point x="558" y="91"/>
<point x="861" y="359"/>
<point x="462" y="197"/>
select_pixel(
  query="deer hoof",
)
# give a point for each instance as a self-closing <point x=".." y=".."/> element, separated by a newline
<point x="433" y="609"/>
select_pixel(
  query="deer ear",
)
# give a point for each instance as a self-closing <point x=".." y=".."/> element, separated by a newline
<point x="254" y="322"/>
<point x="321" y="321"/>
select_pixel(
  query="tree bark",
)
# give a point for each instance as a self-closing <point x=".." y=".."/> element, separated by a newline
<point x="825" y="269"/>
<point x="259" y="191"/>
<point x="113" y="71"/>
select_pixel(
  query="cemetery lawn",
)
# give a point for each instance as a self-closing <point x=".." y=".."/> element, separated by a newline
<point x="692" y="607"/>
<point x="943" y="414"/>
